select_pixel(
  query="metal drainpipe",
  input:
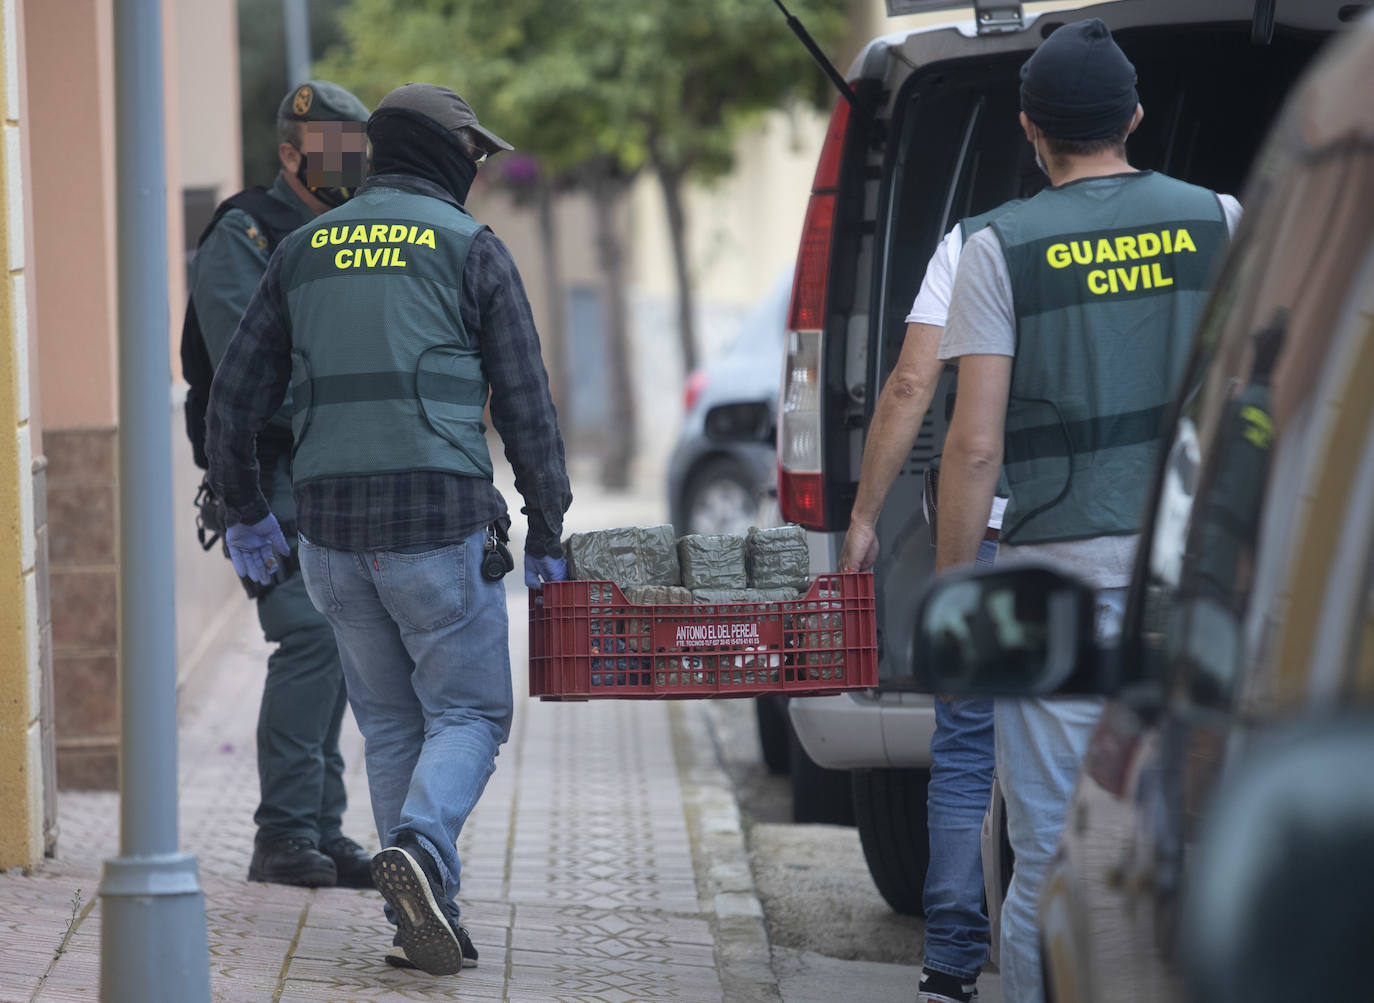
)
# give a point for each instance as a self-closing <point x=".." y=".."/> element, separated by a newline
<point x="297" y="42"/>
<point x="152" y="931"/>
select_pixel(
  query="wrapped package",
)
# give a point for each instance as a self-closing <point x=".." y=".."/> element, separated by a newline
<point x="630" y="556"/>
<point x="610" y="555"/>
<point x="712" y="562"/>
<point x="656" y="595"/>
<point x="778" y="558"/>
<point x="743" y="595"/>
<point x="658" y="553"/>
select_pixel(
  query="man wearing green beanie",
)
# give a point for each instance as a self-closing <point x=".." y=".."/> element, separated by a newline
<point x="1071" y="319"/>
<point x="322" y="148"/>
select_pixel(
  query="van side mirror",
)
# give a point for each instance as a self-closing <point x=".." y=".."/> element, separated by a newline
<point x="744" y="422"/>
<point x="1011" y="631"/>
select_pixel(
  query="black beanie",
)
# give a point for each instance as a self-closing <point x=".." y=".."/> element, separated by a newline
<point x="1079" y="84"/>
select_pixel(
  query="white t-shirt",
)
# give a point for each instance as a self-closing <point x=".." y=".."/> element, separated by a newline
<point x="932" y="307"/>
<point x="981" y="321"/>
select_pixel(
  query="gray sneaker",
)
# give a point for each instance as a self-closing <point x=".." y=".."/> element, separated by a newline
<point x="396" y="956"/>
<point x="427" y="938"/>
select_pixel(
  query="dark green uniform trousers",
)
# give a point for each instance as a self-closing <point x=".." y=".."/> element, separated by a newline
<point x="300" y="771"/>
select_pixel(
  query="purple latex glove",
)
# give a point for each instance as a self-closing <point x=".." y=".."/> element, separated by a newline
<point x="251" y="548"/>
<point x="539" y="570"/>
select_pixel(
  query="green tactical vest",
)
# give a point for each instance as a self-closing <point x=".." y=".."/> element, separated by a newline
<point x="1108" y="278"/>
<point x="384" y="376"/>
<point x="970" y="225"/>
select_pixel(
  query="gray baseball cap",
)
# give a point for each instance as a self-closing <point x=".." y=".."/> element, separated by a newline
<point x="444" y="107"/>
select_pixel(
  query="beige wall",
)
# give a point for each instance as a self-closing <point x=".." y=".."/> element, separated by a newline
<point x="71" y="73"/>
<point x="207" y="73"/>
<point x="23" y="584"/>
<point x="71" y="82"/>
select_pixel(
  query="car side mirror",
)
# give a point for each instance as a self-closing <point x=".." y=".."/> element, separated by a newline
<point x="743" y="422"/>
<point x="1011" y="631"/>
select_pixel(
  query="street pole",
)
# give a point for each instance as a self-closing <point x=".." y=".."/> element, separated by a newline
<point x="152" y="930"/>
<point x="297" y="42"/>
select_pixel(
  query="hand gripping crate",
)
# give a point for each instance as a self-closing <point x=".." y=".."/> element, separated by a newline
<point x="588" y="642"/>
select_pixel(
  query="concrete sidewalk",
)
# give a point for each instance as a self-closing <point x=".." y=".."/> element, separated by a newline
<point x="605" y="861"/>
<point x="577" y="866"/>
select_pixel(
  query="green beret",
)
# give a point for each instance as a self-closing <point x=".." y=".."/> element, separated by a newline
<point x="321" y="101"/>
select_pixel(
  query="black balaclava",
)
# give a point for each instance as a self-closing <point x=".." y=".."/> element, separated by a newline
<point x="406" y="142"/>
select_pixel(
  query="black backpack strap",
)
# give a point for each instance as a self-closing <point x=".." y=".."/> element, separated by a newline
<point x="275" y="219"/>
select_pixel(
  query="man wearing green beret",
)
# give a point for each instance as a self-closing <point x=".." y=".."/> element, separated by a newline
<point x="322" y="147"/>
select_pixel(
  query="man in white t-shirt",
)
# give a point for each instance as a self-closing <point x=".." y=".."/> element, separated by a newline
<point x="1093" y="290"/>
<point x="961" y="749"/>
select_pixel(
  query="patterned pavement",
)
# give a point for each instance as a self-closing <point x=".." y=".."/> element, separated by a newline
<point x="579" y="878"/>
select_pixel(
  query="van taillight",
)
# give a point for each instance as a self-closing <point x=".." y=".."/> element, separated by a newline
<point x="801" y="470"/>
<point x="807" y="309"/>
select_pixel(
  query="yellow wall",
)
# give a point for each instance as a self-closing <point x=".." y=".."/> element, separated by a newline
<point x="21" y="786"/>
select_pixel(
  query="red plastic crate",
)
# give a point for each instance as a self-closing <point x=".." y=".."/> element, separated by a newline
<point x="588" y="642"/>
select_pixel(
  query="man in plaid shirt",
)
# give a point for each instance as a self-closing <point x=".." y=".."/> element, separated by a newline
<point x="390" y="320"/>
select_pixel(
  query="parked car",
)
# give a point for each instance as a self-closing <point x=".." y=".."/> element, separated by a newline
<point x="722" y="472"/>
<point x="943" y="143"/>
<point x="1244" y="678"/>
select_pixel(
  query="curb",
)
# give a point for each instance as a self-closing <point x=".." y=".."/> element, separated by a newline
<point x="725" y="881"/>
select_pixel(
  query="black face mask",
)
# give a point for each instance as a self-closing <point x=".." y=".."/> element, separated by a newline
<point x="331" y="195"/>
<point x="404" y="142"/>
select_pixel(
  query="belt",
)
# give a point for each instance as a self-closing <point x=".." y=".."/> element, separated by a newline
<point x="991" y="533"/>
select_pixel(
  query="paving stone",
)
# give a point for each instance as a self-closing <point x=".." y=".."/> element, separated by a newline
<point x="579" y="881"/>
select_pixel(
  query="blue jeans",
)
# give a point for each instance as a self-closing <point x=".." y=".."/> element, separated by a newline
<point x="423" y="641"/>
<point x="961" y="765"/>
<point x="1040" y="747"/>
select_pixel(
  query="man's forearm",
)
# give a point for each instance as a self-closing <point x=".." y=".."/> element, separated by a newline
<point x="897" y="418"/>
<point x="967" y="483"/>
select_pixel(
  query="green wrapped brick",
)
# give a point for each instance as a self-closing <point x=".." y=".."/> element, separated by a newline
<point x="610" y="555"/>
<point x="658" y="552"/>
<point x="778" y="558"/>
<point x="743" y="595"/>
<point x="712" y="562"/>
<point x="630" y="556"/>
<point x="658" y="595"/>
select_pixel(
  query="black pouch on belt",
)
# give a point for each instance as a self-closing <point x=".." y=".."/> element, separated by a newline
<point x="496" y="557"/>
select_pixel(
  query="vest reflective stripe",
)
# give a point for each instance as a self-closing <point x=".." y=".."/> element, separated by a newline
<point x="1109" y="279"/>
<point x="385" y="377"/>
<point x="357" y="387"/>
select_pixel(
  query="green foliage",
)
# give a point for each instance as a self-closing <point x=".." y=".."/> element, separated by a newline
<point x="578" y="82"/>
<point x="262" y="76"/>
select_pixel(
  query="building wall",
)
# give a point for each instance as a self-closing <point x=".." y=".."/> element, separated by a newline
<point x="23" y="587"/>
<point x="71" y="80"/>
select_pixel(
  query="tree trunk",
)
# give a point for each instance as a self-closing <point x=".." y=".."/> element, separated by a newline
<point x="671" y="181"/>
<point x="555" y="334"/>
<point x="619" y="449"/>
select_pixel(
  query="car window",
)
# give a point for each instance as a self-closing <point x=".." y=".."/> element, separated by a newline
<point x="1254" y="451"/>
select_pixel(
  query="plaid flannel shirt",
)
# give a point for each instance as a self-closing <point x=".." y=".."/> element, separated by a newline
<point x="385" y="511"/>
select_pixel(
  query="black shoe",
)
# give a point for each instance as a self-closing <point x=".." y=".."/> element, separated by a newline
<point x="408" y="879"/>
<point x="351" y="861"/>
<point x="292" y="861"/>
<point x="396" y="957"/>
<point x="941" y="987"/>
